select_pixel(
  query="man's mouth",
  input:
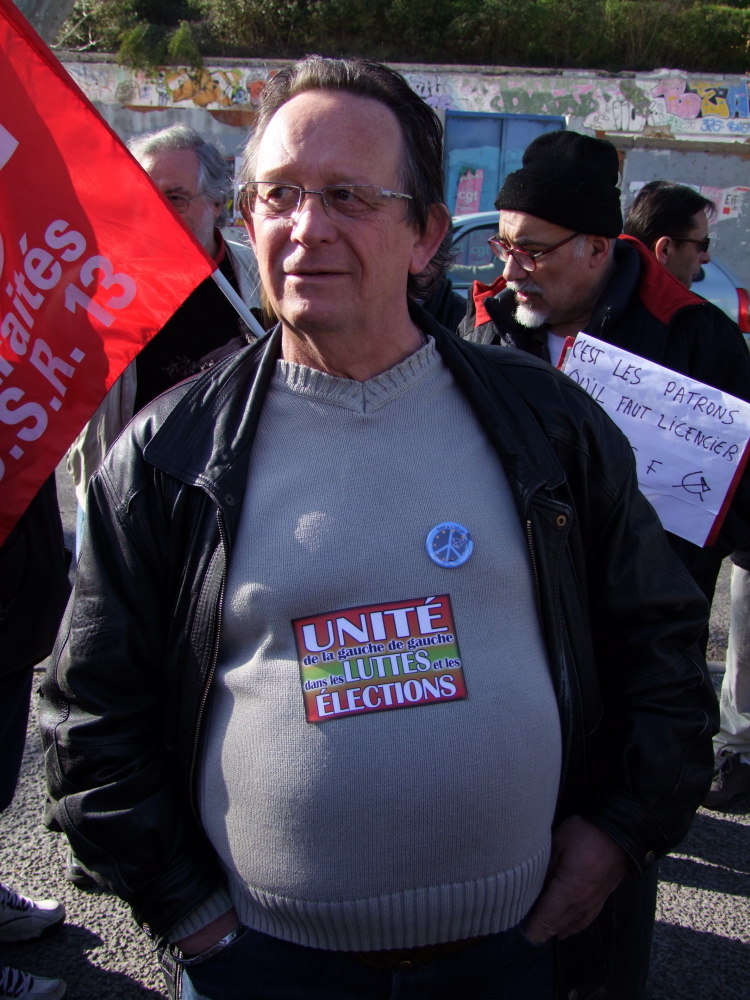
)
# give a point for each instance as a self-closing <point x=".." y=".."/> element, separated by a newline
<point x="523" y="290"/>
<point x="299" y="272"/>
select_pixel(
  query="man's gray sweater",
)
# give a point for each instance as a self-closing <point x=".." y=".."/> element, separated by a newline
<point x="415" y="820"/>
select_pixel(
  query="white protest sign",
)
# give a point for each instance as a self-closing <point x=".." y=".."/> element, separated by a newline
<point x="690" y="440"/>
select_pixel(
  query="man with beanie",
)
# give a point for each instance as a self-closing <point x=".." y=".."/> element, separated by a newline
<point x="568" y="269"/>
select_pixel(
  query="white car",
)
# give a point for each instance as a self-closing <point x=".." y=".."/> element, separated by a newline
<point x="476" y="262"/>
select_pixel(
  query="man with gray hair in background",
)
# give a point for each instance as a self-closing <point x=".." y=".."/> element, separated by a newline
<point x="379" y="678"/>
<point x="195" y="178"/>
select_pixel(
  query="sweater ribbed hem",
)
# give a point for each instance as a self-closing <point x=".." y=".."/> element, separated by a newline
<point x="408" y="919"/>
<point x="214" y="907"/>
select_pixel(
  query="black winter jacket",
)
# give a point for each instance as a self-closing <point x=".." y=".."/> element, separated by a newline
<point x="125" y="694"/>
<point x="34" y="584"/>
<point x="645" y="310"/>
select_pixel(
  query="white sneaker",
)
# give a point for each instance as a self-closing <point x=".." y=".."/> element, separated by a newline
<point x="22" y="918"/>
<point x="17" y="985"/>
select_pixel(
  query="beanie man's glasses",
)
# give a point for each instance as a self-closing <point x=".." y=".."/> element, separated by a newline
<point x="523" y="258"/>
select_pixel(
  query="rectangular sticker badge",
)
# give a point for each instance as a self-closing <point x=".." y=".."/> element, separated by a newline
<point x="378" y="657"/>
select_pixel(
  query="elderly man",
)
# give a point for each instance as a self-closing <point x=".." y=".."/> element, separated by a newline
<point x="672" y="221"/>
<point x="380" y="676"/>
<point x="566" y="271"/>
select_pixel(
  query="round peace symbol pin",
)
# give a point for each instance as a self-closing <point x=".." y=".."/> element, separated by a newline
<point x="449" y="544"/>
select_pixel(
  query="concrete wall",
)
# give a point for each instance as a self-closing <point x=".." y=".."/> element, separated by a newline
<point x="686" y="127"/>
<point x="667" y="104"/>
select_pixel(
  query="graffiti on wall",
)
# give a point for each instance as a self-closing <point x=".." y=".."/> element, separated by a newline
<point x="178" y="87"/>
<point x="676" y="104"/>
<point x="688" y="107"/>
<point x="522" y="95"/>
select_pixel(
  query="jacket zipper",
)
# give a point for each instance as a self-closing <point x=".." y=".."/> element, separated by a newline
<point x="565" y="762"/>
<point x="535" y="572"/>
<point x="212" y="666"/>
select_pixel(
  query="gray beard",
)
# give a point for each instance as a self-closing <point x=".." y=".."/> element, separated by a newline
<point x="529" y="317"/>
<point x="525" y="314"/>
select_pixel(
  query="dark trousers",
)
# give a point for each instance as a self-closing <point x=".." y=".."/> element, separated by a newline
<point x="503" y="966"/>
<point x="15" y="695"/>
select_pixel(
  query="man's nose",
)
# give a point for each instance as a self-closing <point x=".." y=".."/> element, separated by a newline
<point x="513" y="270"/>
<point x="310" y="221"/>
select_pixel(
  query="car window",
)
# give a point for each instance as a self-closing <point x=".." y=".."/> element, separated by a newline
<point x="475" y="261"/>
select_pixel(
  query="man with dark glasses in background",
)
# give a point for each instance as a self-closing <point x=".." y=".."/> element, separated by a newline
<point x="672" y="221"/>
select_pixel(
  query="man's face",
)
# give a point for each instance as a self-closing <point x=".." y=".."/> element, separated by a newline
<point x="328" y="274"/>
<point x="176" y="172"/>
<point x="563" y="286"/>
<point x="684" y="259"/>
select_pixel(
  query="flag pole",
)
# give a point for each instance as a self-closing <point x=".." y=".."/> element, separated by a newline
<point x="238" y="304"/>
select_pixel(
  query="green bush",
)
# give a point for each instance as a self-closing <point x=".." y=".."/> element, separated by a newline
<point x="596" y="34"/>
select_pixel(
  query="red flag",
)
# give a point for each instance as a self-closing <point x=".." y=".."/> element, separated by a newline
<point x="93" y="261"/>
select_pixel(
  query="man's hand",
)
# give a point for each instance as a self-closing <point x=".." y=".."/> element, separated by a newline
<point x="585" y="867"/>
<point x="209" y="935"/>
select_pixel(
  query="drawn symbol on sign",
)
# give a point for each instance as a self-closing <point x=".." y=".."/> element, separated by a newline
<point x="693" y="482"/>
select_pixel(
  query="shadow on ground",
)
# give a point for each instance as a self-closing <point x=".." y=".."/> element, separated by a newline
<point x="64" y="953"/>
<point x="688" y="964"/>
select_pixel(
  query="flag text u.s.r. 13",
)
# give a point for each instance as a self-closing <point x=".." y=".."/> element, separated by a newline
<point x="28" y="293"/>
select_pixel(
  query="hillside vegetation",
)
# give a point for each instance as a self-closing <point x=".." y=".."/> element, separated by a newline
<point x="597" y="34"/>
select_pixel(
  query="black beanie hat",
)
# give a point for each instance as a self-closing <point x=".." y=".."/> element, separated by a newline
<point x="568" y="179"/>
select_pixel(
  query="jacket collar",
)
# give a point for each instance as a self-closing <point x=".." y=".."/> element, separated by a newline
<point x="481" y="372"/>
<point x="658" y="289"/>
<point x="619" y="290"/>
<point x="206" y="437"/>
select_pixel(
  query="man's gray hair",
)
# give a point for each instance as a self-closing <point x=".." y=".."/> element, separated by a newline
<point x="580" y="244"/>
<point x="421" y="132"/>
<point x="214" y="175"/>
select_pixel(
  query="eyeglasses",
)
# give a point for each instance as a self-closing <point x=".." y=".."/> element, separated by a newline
<point x="348" y="201"/>
<point x="523" y="258"/>
<point x="180" y="203"/>
<point x="702" y="245"/>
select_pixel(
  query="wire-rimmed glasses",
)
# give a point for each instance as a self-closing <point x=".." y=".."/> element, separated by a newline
<point x="270" y="199"/>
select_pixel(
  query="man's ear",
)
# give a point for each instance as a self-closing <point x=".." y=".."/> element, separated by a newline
<point x="662" y="249"/>
<point x="427" y="243"/>
<point x="599" y="247"/>
<point x="250" y="231"/>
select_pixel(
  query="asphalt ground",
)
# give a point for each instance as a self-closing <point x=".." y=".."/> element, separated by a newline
<point x="702" y="935"/>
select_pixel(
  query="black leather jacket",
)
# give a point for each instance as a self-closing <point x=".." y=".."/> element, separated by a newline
<point x="128" y="683"/>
